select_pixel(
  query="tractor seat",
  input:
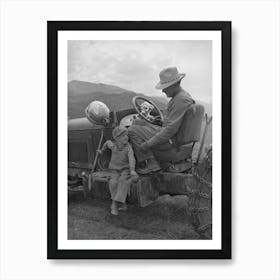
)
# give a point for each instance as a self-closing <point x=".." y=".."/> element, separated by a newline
<point x="183" y="142"/>
<point x="173" y="154"/>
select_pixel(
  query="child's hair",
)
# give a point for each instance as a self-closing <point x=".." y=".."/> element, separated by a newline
<point x="118" y="131"/>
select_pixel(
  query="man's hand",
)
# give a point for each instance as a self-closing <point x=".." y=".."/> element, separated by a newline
<point x="144" y="147"/>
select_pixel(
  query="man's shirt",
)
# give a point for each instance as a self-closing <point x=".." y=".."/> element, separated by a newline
<point x="176" y="110"/>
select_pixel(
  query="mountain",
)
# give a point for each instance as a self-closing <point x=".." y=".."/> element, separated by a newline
<point x="80" y="88"/>
<point x="81" y="93"/>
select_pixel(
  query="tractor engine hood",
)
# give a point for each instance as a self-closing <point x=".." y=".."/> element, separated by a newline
<point x="82" y="124"/>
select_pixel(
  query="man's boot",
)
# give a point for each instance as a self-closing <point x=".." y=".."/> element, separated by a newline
<point x="147" y="166"/>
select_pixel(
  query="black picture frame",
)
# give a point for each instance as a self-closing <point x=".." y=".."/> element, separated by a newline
<point x="52" y="102"/>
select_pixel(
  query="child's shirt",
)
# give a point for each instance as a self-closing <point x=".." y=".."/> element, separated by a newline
<point x="121" y="158"/>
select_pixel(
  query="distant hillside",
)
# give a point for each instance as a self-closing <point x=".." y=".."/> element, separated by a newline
<point x="80" y="88"/>
<point x="80" y="94"/>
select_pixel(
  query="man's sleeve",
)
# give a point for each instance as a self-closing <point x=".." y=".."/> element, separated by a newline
<point x="172" y="124"/>
<point x="131" y="158"/>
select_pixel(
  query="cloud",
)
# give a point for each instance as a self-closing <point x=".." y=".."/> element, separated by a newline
<point x="135" y="65"/>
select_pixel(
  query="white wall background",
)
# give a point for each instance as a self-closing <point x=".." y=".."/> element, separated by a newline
<point x="255" y="150"/>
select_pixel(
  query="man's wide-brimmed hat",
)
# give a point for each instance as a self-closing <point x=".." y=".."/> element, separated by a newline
<point x="168" y="77"/>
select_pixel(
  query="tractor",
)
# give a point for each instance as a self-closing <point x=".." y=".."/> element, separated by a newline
<point x="181" y="173"/>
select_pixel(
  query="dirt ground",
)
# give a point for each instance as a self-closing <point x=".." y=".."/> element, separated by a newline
<point x="166" y="218"/>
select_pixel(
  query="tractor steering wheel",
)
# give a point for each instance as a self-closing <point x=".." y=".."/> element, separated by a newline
<point x="148" y="110"/>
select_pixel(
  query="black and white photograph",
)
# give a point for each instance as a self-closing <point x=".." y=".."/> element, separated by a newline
<point x="139" y="134"/>
<point x="141" y="160"/>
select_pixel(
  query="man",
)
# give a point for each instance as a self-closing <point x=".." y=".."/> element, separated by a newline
<point x="146" y="138"/>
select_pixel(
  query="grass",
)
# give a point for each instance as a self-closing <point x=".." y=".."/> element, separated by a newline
<point x="165" y="218"/>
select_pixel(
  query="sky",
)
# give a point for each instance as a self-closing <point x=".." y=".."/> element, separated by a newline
<point x="135" y="65"/>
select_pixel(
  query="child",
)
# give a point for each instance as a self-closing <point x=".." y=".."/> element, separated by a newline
<point x="122" y="164"/>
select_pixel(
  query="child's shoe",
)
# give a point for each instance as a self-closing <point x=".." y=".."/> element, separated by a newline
<point x="123" y="207"/>
<point x="114" y="209"/>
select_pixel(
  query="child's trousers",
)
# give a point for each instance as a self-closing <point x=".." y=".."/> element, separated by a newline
<point x="119" y="185"/>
